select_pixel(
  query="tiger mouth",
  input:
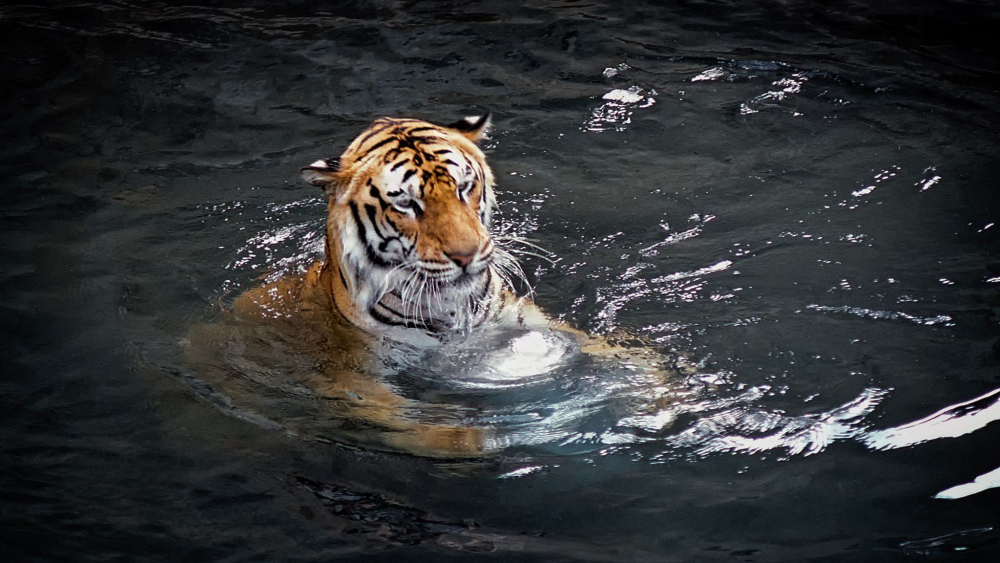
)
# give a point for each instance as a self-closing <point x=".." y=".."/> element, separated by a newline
<point x="454" y="278"/>
<point x="447" y="274"/>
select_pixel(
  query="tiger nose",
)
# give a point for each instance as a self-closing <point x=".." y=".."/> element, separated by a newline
<point x="461" y="259"/>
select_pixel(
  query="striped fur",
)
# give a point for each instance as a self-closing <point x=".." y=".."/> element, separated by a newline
<point x="408" y="226"/>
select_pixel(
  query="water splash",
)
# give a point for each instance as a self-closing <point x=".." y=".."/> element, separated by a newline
<point x="286" y="249"/>
<point x="615" y="114"/>
<point x="787" y="87"/>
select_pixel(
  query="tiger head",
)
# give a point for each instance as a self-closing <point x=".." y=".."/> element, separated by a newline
<point x="410" y="207"/>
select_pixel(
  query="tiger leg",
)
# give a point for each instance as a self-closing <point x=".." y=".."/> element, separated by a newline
<point x="395" y="419"/>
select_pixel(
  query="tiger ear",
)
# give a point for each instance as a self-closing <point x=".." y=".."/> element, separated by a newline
<point x="324" y="173"/>
<point x="474" y="128"/>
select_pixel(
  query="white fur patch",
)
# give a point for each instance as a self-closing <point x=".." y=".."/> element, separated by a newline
<point x="319" y="164"/>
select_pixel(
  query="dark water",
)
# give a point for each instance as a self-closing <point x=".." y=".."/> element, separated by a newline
<point x="800" y="197"/>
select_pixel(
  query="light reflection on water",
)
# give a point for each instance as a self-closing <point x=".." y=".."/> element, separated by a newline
<point x="981" y="483"/>
<point x="808" y="220"/>
<point x="536" y="389"/>
<point x="887" y="315"/>
<point x="615" y="112"/>
<point x="949" y="422"/>
<point x="286" y="248"/>
<point x="530" y="389"/>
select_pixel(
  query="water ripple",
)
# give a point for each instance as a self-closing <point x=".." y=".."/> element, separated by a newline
<point x="752" y="430"/>
<point x="883" y="315"/>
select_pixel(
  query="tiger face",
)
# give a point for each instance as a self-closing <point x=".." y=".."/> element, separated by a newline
<point x="409" y="215"/>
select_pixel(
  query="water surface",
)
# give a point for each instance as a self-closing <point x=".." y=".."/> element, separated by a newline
<point x="799" y="199"/>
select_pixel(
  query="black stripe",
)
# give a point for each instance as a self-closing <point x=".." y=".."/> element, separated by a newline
<point x="385" y="125"/>
<point x="398" y="164"/>
<point x="343" y="280"/>
<point x="430" y="139"/>
<point x="383" y="319"/>
<point x="373" y="257"/>
<point x="391" y="223"/>
<point x="371" y="211"/>
<point x="386" y="320"/>
<point x="406" y="142"/>
<point x="379" y="144"/>
<point x="391" y="310"/>
<point x="408" y="174"/>
<point x="386" y="239"/>
<point x="378" y="195"/>
<point x="357" y="220"/>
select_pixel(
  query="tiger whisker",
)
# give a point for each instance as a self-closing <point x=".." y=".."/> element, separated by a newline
<point x="508" y="268"/>
<point x="386" y="284"/>
<point x="421" y="301"/>
<point x="529" y="253"/>
<point x="517" y="270"/>
<point x="521" y="240"/>
<point x="406" y="294"/>
<point x="543" y="253"/>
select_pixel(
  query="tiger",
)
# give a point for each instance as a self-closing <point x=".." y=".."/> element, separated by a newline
<point x="408" y="240"/>
<point x="409" y="256"/>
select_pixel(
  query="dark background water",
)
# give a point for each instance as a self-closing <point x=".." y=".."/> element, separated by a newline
<point x="799" y="195"/>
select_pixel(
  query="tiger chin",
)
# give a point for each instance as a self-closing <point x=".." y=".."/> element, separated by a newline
<point x="409" y="257"/>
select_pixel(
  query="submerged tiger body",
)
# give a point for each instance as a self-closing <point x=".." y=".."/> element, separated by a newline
<point x="409" y="258"/>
